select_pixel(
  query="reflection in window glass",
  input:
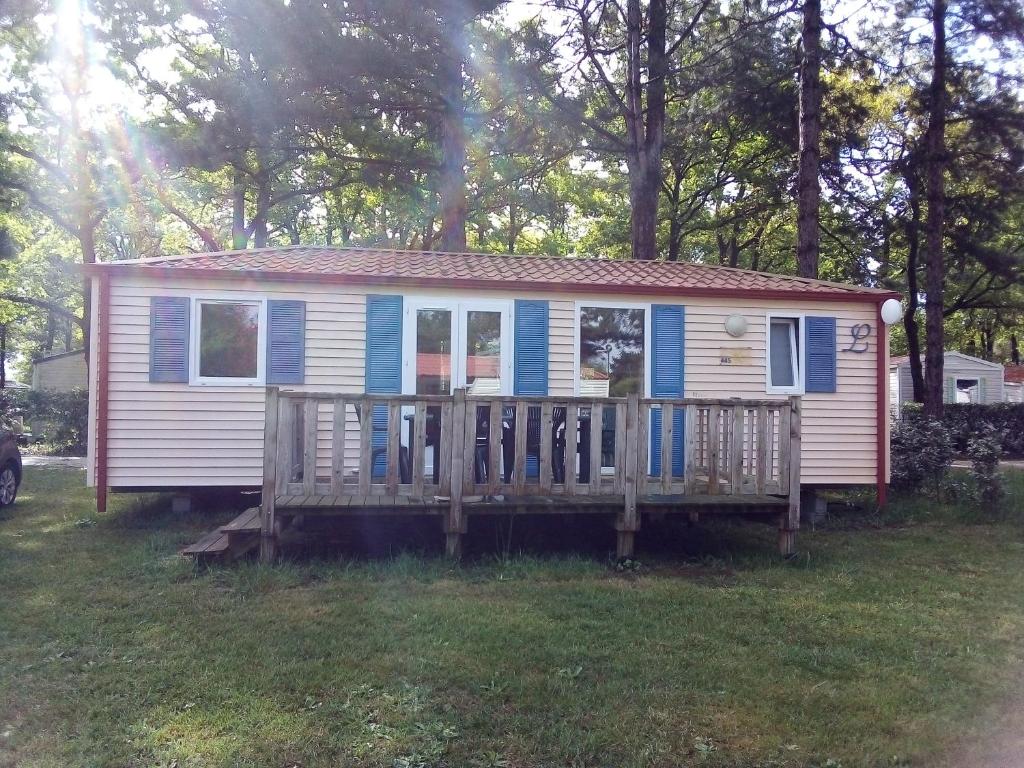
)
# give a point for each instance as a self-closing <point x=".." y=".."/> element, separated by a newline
<point x="611" y="352"/>
<point x="228" y="340"/>
<point x="783" y="352"/>
<point x="483" y="353"/>
<point x="433" y="352"/>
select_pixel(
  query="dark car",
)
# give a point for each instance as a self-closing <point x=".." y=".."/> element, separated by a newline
<point x="10" y="467"/>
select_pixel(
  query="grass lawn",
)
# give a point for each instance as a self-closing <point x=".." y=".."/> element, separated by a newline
<point x="882" y="645"/>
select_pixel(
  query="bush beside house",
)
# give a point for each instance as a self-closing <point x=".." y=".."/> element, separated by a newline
<point x="966" y="421"/>
<point x="60" y="419"/>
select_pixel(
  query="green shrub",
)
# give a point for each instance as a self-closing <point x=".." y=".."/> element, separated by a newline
<point x="922" y="452"/>
<point x="984" y="450"/>
<point x="64" y="416"/>
<point x="964" y="419"/>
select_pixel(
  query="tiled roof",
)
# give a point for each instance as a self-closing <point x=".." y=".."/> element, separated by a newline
<point x="371" y="266"/>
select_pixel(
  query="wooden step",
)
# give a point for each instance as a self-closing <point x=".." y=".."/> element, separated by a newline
<point x="247" y="522"/>
<point x="211" y="544"/>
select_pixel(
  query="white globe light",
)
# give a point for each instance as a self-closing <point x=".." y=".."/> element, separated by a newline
<point x="892" y="311"/>
<point x="736" y="325"/>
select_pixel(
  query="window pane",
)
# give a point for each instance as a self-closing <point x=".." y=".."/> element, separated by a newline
<point x="968" y="391"/>
<point x="611" y="352"/>
<point x="433" y="352"/>
<point x="229" y="336"/>
<point x="781" y="351"/>
<point x="483" y="353"/>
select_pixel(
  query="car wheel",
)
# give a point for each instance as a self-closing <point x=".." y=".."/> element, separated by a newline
<point x="8" y="485"/>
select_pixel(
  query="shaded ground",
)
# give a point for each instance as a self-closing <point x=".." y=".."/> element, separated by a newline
<point x="886" y="643"/>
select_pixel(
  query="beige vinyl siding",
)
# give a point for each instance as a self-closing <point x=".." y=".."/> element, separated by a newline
<point x="182" y="435"/>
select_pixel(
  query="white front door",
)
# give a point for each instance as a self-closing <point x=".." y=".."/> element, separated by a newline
<point x="449" y="344"/>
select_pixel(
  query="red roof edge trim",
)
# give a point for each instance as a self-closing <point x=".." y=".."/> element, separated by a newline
<point x="876" y="296"/>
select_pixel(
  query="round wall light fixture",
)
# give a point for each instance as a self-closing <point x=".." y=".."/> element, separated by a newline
<point x="892" y="311"/>
<point x="736" y="325"/>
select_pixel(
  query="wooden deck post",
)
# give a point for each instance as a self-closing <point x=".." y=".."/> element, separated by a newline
<point x="629" y="522"/>
<point x="789" y="522"/>
<point x="454" y="526"/>
<point x="268" y="517"/>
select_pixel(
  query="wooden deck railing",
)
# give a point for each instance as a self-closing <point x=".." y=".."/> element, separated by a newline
<point x="353" y="450"/>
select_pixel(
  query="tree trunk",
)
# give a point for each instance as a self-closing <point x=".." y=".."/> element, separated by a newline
<point x="87" y="242"/>
<point x="1014" y="350"/>
<point x="51" y="332"/>
<point x="260" y="234"/>
<point x="646" y="136"/>
<point x="3" y="356"/>
<point x="675" y="238"/>
<point x="239" y="238"/>
<point x="453" y="136"/>
<point x="935" y="222"/>
<point x="513" y="233"/>
<point x="913" y="230"/>
<point x="808" y="186"/>
<point x="643" y="201"/>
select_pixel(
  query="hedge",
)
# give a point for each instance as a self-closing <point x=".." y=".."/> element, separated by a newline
<point x="964" y="421"/>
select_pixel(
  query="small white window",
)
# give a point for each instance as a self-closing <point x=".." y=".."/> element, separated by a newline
<point x="784" y="356"/>
<point x="227" y="342"/>
<point x="968" y="391"/>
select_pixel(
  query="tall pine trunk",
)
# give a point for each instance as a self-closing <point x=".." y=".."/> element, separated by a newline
<point x="646" y="136"/>
<point x="935" y="221"/>
<point x="913" y="230"/>
<point x="454" y="209"/>
<point x="239" y="238"/>
<point x="808" y="185"/>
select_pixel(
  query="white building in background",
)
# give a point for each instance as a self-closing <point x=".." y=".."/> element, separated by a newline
<point x="61" y="372"/>
<point x="966" y="379"/>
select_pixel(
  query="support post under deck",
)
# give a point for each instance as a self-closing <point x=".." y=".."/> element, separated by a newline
<point x="454" y="525"/>
<point x="629" y="521"/>
<point x="268" y="517"/>
<point x="789" y="521"/>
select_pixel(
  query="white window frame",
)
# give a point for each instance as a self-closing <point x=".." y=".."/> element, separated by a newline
<point x="800" y="357"/>
<point x="459" y="307"/>
<point x="195" y="337"/>
<point x="577" y="346"/>
<point x="976" y="386"/>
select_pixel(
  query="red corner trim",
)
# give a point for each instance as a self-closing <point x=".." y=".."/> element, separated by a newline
<point x="102" y="364"/>
<point x="881" y="383"/>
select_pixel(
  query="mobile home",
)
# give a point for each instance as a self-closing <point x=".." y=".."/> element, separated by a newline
<point x="348" y="378"/>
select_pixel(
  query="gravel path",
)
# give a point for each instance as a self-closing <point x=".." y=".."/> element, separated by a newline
<point x="74" y="462"/>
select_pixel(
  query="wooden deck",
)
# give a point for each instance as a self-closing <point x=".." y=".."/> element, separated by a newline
<point x="454" y="457"/>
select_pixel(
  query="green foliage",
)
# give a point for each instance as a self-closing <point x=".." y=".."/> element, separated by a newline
<point x="984" y="449"/>
<point x="922" y="452"/>
<point x="63" y="416"/>
<point x="966" y="421"/>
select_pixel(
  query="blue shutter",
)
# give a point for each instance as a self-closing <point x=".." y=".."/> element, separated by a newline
<point x="530" y="374"/>
<point x="286" y="342"/>
<point x="531" y="348"/>
<point x="168" y="338"/>
<point x="383" y="367"/>
<point x="667" y="375"/>
<point x="820" y="354"/>
<point x="383" y="345"/>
